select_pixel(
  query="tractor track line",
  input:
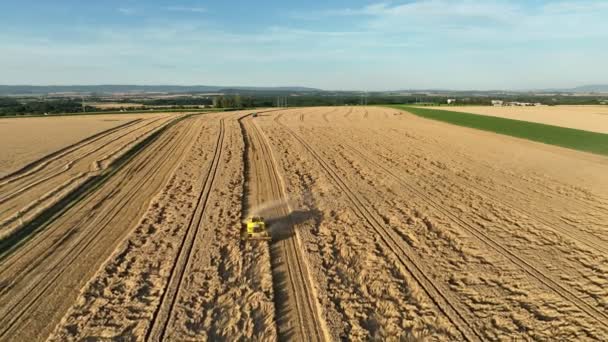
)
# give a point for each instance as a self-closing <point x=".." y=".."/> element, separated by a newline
<point x="350" y="111"/>
<point x="512" y="188"/>
<point x="52" y="213"/>
<point x="325" y="114"/>
<point x="545" y="280"/>
<point x="164" y="312"/>
<point x="394" y="244"/>
<point x="79" y="248"/>
<point x="10" y="243"/>
<point x="311" y="325"/>
<point x="10" y="261"/>
<point x="41" y="162"/>
<point x="557" y="228"/>
<point x="32" y="266"/>
<point x="500" y="176"/>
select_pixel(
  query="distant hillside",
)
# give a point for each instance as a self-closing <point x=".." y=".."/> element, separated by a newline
<point x="596" y="88"/>
<point x="113" y="89"/>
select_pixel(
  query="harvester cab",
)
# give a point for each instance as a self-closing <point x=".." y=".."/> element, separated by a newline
<point x="254" y="228"/>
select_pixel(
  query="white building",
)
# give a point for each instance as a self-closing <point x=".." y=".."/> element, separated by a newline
<point x="497" y="102"/>
<point x="451" y="101"/>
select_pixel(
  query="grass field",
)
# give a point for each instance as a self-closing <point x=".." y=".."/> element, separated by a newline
<point x="560" y="136"/>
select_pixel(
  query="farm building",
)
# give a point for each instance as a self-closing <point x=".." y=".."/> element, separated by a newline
<point x="451" y="101"/>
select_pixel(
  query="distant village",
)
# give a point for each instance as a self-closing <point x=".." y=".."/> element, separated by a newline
<point x="501" y="103"/>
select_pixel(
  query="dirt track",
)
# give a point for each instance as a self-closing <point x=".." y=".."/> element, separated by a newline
<point x="384" y="225"/>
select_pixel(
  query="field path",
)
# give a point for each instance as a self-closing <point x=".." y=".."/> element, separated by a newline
<point x="297" y="310"/>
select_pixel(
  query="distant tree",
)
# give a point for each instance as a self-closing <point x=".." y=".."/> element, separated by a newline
<point x="218" y="101"/>
<point x="238" y="103"/>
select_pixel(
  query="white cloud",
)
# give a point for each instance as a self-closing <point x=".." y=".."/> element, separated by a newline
<point x="186" y="9"/>
<point x="476" y="20"/>
<point x="126" y="11"/>
<point x="384" y="45"/>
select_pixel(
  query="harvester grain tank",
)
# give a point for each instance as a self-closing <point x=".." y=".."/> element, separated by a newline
<point x="254" y="228"/>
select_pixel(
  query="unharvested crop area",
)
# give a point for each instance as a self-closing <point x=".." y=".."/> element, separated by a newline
<point x="385" y="226"/>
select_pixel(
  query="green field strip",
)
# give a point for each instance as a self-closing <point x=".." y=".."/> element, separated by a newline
<point x="575" y="139"/>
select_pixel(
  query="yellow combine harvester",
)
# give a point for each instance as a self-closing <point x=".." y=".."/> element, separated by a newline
<point x="254" y="228"/>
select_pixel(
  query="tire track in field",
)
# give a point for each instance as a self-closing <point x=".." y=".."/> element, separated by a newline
<point x="350" y="111"/>
<point x="41" y="162"/>
<point x="41" y="282"/>
<point x="76" y="192"/>
<point x="449" y="306"/>
<point x="534" y="182"/>
<point x="582" y="237"/>
<point x="164" y="312"/>
<point x="325" y="114"/>
<point x="297" y="308"/>
<point x="590" y="237"/>
<point x="68" y="165"/>
<point x="547" y="281"/>
<point x="40" y="184"/>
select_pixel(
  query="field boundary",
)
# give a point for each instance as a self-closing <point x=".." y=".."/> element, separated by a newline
<point x="193" y="111"/>
<point x="575" y="139"/>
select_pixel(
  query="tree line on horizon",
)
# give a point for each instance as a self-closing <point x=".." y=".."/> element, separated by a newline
<point x="10" y="106"/>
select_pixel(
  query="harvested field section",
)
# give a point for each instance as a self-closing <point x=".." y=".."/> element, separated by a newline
<point x="385" y="226"/>
<point x="184" y="272"/>
<point x="226" y="292"/>
<point x="25" y="140"/>
<point x="363" y="283"/>
<point x="31" y="191"/>
<point x="137" y="271"/>
<point x="449" y="226"/>
<point x="43" y="277"/>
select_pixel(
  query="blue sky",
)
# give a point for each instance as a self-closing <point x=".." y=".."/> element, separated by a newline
<point x="365" y="45"/>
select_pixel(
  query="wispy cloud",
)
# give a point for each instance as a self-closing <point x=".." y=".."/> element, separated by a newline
<point x="186" y="9"/>
<point x="445" y="43"/>
<point x="472" y="20"/>
<point x="126" y="10"/>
